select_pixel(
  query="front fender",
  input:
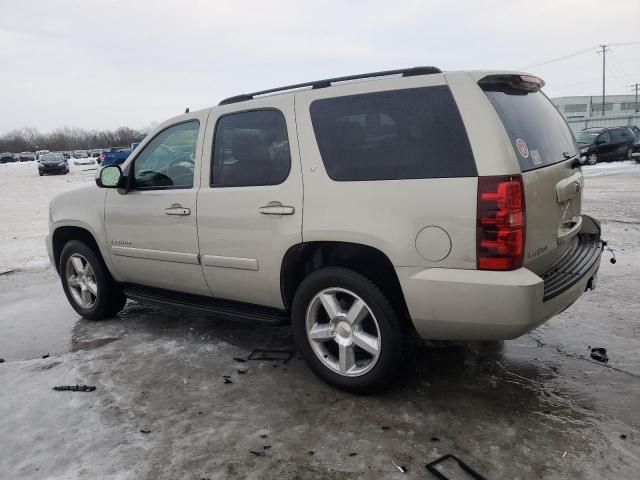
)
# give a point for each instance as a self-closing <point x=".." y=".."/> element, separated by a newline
<point x="82" y="208"/>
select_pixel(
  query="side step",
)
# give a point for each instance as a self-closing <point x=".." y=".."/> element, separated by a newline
<point x="224" y="308"/>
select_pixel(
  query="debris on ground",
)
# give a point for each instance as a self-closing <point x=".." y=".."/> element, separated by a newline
<point x="310" y="452"/>
<point x="242" y="370"/>
<point x="1" y="360"/>
<point x="271" y="355"/>
<point x="264" y="435"/>
<point x="353" y="454"/>
<point x="145" y="431"/>
<point x="435" y="439"/>
<point x="238" y="359"/>
<point x="227" y="381"/>
<point x="599" y="354"/>
<point x="564" y="454"/>
<point x="257" y="454"/>
<point x="45" y="356"/>
<point x="385" y="428"/>
<point x="431" y="467"/>
<point x="623" y="436"/>
<point x="401" y="468"/>
<point x="74" y="388"/>
<point x="266" y="447"/>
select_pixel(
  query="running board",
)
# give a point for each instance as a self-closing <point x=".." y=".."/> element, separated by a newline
<point x="224" y="308"/>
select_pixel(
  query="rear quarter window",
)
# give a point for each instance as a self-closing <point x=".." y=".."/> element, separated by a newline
<point x="401" y="134"/>
<point x="538" y="132"/>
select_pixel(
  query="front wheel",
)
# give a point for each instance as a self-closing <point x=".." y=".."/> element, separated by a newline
<point x="87" y="283"/>
<point x="592" y="158"/>
<point x="347" y="330"/>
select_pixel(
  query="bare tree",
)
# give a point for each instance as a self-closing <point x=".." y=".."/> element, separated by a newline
<point x="65" y="138"/>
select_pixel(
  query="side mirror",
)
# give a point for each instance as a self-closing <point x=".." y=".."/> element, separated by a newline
<point x="109" y="177"/>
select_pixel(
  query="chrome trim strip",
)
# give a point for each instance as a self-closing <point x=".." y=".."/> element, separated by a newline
<point x="163" y="255"/>
<point x="230" y="262"/>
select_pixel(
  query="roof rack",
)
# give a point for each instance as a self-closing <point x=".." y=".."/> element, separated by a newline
<point x="405" y="72"/>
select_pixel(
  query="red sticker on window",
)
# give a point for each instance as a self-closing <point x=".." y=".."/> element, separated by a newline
<point x="522" y="147"/>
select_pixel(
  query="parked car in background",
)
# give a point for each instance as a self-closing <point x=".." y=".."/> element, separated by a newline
<point x="116" y="155"/>
<point x="636" y="146"/>
<point x="605" y="144"/>
<point x="7" y="157"/>
<point x="84" y="160"/>
<point x="27" y="156"/>
<point x="96" y="152"/>
<point x="445" y="206"/>
<point x="53" y="163"/>
<point x="39" y="154"/>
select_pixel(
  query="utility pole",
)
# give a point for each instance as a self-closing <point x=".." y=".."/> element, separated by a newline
<point x="604" y="55"/>
<point x="637" y="109"/>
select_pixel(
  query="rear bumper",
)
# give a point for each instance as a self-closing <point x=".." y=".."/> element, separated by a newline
<point x="448" y="304"/>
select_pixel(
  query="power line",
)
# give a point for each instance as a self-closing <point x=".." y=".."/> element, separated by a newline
<point x="559" y="58"/>
<point x="614" y="59"/>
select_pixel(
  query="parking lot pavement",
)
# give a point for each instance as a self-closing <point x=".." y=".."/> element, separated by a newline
<point x="534" y="407"/>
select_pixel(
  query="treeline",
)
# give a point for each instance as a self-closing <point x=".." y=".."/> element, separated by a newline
<point x="29" y="139"/>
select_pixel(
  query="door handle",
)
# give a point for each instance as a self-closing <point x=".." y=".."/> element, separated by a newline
<point x="177" y="209"/>
<point x="276" y="208"/>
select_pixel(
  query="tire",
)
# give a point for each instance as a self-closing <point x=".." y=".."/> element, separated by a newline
<point x="592" y="158"/>
<point x="629" y="155"/>
<point x="94" y="297"/>
<point x="41" y="174"/>
<point x="336" y="355"/>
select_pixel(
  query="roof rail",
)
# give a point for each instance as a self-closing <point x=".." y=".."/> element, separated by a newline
<point x="405" y="72"/>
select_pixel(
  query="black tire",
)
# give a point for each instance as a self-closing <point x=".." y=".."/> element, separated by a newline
<point x="109" y="300"/>
<point x="629" y="155"/>
<point x="40" y="173"/>
<point x="390" y="324"/>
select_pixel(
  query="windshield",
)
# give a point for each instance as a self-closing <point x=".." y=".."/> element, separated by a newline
<point x="539" y="134"/>
<point x="587" y="137"/>
<point x="52" y="157"/>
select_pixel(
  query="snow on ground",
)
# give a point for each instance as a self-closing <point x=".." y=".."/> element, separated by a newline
<point x="24" y="217"/>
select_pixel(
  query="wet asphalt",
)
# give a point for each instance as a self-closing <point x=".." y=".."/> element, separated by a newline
<point x="534" y="407"/>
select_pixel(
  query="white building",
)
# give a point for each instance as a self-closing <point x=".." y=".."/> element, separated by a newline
<point x="586" y="111"/>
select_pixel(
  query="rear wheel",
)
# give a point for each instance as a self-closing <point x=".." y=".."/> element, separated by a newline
<point x="592" y="158"/>
<point x="87" y="283"/>
<point x="629" y="155"/>
<point x="347" y="330"/>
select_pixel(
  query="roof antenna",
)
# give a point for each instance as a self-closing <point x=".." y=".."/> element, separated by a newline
<point x="187" y="110"/>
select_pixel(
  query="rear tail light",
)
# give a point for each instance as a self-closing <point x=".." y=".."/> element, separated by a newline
<point x="500" y="232"/>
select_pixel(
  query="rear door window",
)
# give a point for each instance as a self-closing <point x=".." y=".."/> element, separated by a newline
<point x="251" y="148"/>
<point x="538" y="132"/>
<point x="400" y="134"/>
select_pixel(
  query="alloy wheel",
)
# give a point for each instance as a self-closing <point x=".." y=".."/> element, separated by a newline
<point x="81" y="280"/>
<point x="343" y="332"/>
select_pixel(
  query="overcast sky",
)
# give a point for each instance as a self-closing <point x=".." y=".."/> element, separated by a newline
<point x="104" y="64"/>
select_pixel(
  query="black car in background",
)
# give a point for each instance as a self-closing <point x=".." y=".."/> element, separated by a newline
<point x="53" y="163"/>
<point x="636" y="146"/>
<point x="7" y="157"/>
<point x="27" y="157"/>
<point x="605" y="144"/>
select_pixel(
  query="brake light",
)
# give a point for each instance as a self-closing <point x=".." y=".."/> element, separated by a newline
<point x="509" y="83"/>
<point x="500" y="232"/>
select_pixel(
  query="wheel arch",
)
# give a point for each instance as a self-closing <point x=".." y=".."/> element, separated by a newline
<point x="304" y="258"/>
<point x="65" y="233"/>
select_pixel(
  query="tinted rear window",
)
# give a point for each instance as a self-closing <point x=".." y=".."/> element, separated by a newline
<point x="538" y="133"/>
<point x="400" y="134"/>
